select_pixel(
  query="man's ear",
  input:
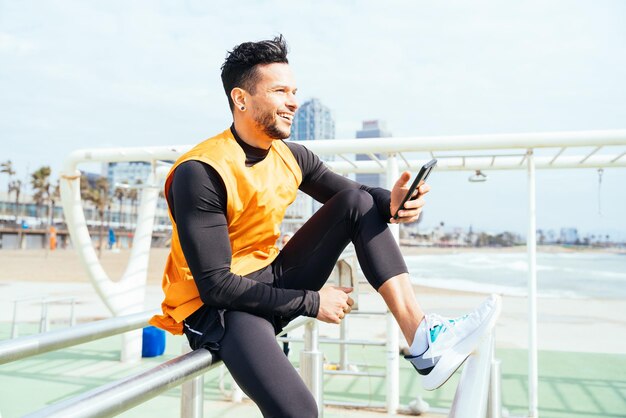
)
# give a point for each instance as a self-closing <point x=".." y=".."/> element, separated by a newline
<point x="238" y="96"/>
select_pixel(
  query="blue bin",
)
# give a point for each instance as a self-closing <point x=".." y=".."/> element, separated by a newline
<point x="153" y="343"/>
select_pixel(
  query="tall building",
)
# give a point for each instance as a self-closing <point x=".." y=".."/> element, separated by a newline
<point x="128" y="172"/>
<point x="372" y="129"/>
<point x="313" y="120"/>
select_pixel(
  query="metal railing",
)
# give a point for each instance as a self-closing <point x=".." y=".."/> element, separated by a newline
<point x="124" y="394"/>
<point x="44" y="320"/>
<point x="22" y="347"/>
<point x="478" y="390"/>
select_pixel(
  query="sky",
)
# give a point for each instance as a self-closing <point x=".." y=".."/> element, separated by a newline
<point x="86" y="74"/>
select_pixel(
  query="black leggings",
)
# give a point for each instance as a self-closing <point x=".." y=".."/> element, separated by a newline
<point x="249" y="349"/>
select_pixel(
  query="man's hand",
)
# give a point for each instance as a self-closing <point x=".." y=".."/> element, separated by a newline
<point x="412" y="208"/>
<point x="334" y="304"/>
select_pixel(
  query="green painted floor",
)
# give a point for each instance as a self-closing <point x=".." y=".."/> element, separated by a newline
<point x="570" y="384"/>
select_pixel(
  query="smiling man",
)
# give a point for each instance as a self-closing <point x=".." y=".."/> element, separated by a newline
<point x="229" y="288"/>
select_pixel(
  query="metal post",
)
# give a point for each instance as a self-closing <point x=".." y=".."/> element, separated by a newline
<point x="72" y="312"/>
<point x="494" y="407"/>
<point x="470" y="399"/>
<point x="494" y="401"/>
<point x="43" y="322"/>
<point x="311" y="365"/>
<point x="533" y="380"/>
<point x="14" y="324"/>
<point x="393" y="337"/>
<point x="192" y="393"/>
<point x="236" y="394"/>
<point x="343" y="348"/>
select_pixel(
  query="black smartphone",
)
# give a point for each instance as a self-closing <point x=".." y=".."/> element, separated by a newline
<point x="421" y="177"/>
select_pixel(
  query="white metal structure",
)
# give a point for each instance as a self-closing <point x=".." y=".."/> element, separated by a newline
<point x="500" y="152"/>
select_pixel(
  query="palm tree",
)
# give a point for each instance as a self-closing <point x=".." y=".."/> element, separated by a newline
<point x="133" y="195"/>
<point x="99" y="196"/>
<point x="121" y="192"/>
<point x="54" y="197"/>
<point x="40" y="182"/>
<point x="7" y="168"/>
<point x="16" y="187"/>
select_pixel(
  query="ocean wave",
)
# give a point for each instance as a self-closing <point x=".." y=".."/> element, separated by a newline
<point x="507" y="290"/>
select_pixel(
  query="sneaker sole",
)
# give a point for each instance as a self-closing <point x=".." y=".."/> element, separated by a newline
<point x="448" y="364"/>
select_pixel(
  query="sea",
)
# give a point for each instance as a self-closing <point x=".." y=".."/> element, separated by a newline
<point x="559" y="275"/>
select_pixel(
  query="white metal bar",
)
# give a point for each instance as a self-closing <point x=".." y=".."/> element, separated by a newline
<point x="618" y="157"/>
<point x="312" y="365"/>
<point x="119" y="396"/>
<point x="11" y="350"/>
<point x="591" y="153"/>
<point x="408" y="165"/>
<point x="192" y="393"/>
<point x="296" y="323"/>
<point x="73" y="313"/>
<point x="349" y="161"/>
<point x="495" y="391"/>
<point x="379" y="145"/>
<point x="355" y="404"/>
<point x="349" y="373"/>
<point x="343" y="348"/>
<point x="336" y="341"/>
<point x="533" y="380"/>
<point x="558" y="154"/>
<point x="470" y="399"/>
<point x="376" y="159"/>
<point x="393" y="338"/>
<point x="44" y="323"/>
<point x="521" y="163"/>
<point x="14" y="324"/>
<point x="445" y="164"/>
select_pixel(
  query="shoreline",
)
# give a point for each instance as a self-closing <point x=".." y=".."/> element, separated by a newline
<point x="65" y="265"/>
<point x="564" y="324"/>
<point x="550" y="249"/>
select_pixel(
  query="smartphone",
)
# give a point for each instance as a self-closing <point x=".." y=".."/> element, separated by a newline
<point x="421" y="177"/>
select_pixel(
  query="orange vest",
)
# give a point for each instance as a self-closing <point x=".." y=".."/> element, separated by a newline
<point x="257" y="198"/>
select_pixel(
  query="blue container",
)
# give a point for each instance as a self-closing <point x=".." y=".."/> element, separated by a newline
<point x="153" y="343"/>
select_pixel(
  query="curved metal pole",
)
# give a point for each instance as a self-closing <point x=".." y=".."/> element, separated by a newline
<point x="127" y="295"/>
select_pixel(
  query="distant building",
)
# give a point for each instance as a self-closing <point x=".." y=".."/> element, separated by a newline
<point x="129" y="172"/>
<point x="569" y="236"/>
<point x="313" y="120"/>
<point x="372" y="129"/>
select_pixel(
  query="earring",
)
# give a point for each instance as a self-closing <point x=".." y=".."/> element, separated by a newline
<point x="243" y="108"/>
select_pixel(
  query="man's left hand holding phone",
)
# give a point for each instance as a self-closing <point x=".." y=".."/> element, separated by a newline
<point x="412" y="207"/>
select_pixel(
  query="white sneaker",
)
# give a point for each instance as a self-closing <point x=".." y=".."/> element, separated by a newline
<point x="451" y="341"/>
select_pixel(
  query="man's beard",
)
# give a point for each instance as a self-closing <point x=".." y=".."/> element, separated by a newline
<point x="269" y="125"/>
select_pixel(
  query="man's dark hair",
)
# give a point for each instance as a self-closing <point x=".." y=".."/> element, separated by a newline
<point x="240" y="67"/>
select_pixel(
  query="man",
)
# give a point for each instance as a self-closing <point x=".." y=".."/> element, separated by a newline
<point x="284" y="240"/>
<point x="227" y="286"/>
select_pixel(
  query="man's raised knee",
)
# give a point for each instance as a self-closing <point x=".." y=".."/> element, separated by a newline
<point x="357" y="198"/>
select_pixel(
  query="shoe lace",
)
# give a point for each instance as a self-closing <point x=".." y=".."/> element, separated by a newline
<point x="446" y="324"/>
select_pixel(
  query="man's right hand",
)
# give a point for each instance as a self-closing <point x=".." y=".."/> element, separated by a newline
<point x="334" y="304"/>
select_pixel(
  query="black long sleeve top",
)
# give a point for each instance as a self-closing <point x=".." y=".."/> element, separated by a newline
<point x="197" y="201"/>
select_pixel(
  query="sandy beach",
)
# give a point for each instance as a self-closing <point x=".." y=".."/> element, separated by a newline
<point x="580" y="325"/>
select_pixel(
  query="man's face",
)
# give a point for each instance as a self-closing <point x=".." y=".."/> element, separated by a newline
<point x="274" y="104"/>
